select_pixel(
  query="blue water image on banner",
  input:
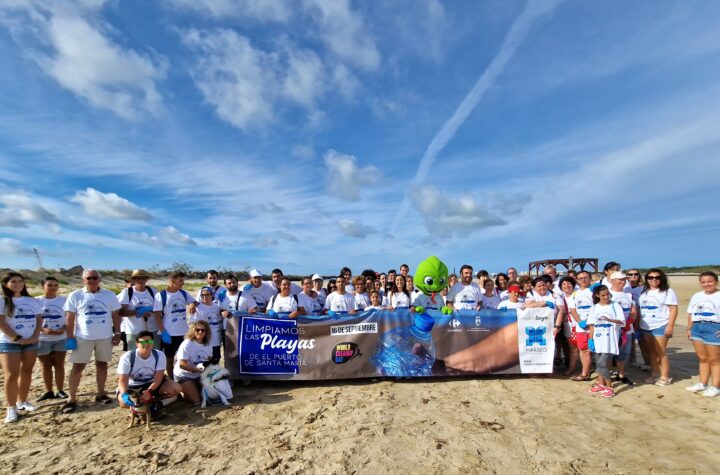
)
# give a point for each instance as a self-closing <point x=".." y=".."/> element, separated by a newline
<point x="268" y="346"/>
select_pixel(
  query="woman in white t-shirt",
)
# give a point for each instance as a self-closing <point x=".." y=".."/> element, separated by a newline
<point x="193" y="352"/>
<point x="399" y="297"/>
<point x="52" y="339"/>
<point x="658" y="311"/>
<point x="704" y="332"/>
<point x="490" y="297"/>
<point x="362" y="299"/>
<point x="20" y="321"/>
<point x="209" y="311"/>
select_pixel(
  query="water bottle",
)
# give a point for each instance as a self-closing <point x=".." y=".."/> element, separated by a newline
<point x="407" y="351"/>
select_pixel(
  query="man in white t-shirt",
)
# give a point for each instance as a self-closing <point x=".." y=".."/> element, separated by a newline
<point x="340" y="302"/>
<point x="235" y="302"/>
<point x="465" y="294"/>
<point x="93" y="327"/>
<point x="259" y="290"/>
<point x="171" y="308"/>
<point x="143" y="370"/>
<point x="136" y="307"/>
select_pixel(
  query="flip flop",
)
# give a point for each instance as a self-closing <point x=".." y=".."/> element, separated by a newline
<point x="104" y="399"/>
<point x="68" y="407"/>
<point x="580" y="377"/>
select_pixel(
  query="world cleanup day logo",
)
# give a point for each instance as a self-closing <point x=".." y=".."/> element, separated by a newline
<point x="344" y="352"/>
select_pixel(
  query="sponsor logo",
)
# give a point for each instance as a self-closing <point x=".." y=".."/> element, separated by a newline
<point x="344" y="352"/>
<point x="454" y="323"/>
<point x="535" y="336"/>
<point x="354" y="329"/>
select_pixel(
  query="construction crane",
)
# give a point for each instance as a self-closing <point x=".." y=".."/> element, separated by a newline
<point x="37" y="257"/>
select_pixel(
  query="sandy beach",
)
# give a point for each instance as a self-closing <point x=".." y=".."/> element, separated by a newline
<point x="505" y="424"/>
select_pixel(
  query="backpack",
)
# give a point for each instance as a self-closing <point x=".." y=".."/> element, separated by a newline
<point x="131" y="290"/>
<point x="133" y="356"/>
<point x="163" y="297"/>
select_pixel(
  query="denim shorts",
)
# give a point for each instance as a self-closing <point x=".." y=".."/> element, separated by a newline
<point x="47" y="347"/>
<point x="6" y="347"/>
<point x="706" y="332"/>
<point x="624" y="355"/>
<point x="660" y="331"/>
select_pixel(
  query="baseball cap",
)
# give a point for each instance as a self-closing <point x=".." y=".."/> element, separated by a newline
<point x="316" y="277"/>
<point x="255" y="273"/>
<point x="617" y="275"/>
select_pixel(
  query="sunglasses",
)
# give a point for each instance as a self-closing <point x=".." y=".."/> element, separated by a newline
<point x="653" y="277"/>
<point x="145" y="342"/>
<point x="92" y="277"/>
<point x="200" y="330"/>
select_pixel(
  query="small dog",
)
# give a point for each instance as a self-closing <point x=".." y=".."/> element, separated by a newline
<point x="142" y="411"/>
<point x="215" y="384"/>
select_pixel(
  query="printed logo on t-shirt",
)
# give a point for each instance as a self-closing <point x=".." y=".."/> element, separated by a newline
<point x="143" y="374"/>
<point x="705" y="310"/>
<point x="649" y="305"/>
<point x="95" y="312"/>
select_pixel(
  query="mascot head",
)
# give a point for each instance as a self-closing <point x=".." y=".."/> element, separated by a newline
<point x="431" y="276"/>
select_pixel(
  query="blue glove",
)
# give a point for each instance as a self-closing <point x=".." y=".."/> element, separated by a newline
<point x="504" y="309"/>
<point x="71" y="344"/>
<point x="247" y="287"/>
<point x="165" y="337"/>
<point x="583" y="324"/>
<point x="549" y="304"/>
<point x="126" y="399"/>
<point x="272" y="313"/>
<point x="332" y="314"/>
<point x="591" y="345"/>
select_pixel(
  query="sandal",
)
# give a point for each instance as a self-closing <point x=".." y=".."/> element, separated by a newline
<point x="68" y="407"/>
<point x="663" y="382"/>
<point x="581" y="377"/>
<point x="104" y="399"/>
<point x="651" y="379"/>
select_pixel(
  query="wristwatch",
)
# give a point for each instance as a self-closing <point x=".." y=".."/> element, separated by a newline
<point x="17" y="338"/>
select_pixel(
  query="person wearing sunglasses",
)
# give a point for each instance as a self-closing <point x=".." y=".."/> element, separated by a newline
<point x="193" y="353"/>
<point x="658" y="312"/>
<point x="93" y="327"/>
<point x="704" y="331"/>
<point x="144" y="371"/>
<point x="635" y="286"/>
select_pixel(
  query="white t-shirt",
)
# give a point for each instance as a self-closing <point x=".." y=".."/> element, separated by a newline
<point x="490" y="302"/>
<point x="237" y="302"/>
<point x="581" y="301"/>
<point x="423" y="300"/>
<point x="465" y="297"/>
<point x="211" y="314"/>
<point x="175" y="312"/>
<point x="310" y="304"/>
<point x="654" y="311"/>
<point x="625" y="300"/>
<point x="606" y="333"/>
<point x="282" y="304"/>
<point x="24" y="318"/>
<point x="375" y="307"/>
<point x="321" y="296"/>
<point x="705" y="307"/>
<point x="53" y="316"/>
<point x="261" y="295"/>
<point x="362" y="301"/>
<point x="399" y="300"/>
<point x="194" y="353"/>
<point x="136" y="324"/>
<point x="510" y="305"/>
<point x="93" y="313"/>
<point x="144" y="370"/>
<point x="340" y="303"/>
<point x="504" y="295"/>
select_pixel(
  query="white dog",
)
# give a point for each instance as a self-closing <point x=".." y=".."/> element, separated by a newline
<point x="215" y="384"/>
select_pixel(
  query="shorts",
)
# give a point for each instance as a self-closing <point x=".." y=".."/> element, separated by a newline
<point x="660" y="331"/>
<point x="171" y="348"/>
<point x="85" y="349"/>
<point x="706" y="332"/>
<point x="624" y="355"/>
<point x="132" y="341"/>
<point x="7" y="347"/>
<point x="581" y="340"/>
<point x="602" y="364"/>
<point x="47" y="347"/>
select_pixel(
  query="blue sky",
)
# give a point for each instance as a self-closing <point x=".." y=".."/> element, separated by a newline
<point x="314" y="134"/>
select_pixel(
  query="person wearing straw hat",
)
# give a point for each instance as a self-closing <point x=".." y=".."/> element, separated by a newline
<point x="136" y="307"/>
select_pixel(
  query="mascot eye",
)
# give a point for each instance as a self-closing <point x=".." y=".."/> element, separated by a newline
<point x="442" y="280"/>
<point x="428" y="280"/>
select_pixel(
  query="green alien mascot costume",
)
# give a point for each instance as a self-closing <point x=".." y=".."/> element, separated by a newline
<point x="430" y="278"/>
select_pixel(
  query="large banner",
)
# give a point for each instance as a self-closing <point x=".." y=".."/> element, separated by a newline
<point x="384" y="343"/>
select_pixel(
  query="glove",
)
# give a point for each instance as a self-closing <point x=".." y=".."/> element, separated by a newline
<point x="247" y="287"/>
<point x="272" y="313"/>
<point x="583" y="324"/>
<point x="420" y="309"/>
<point x="549" y="304"/>
<point x="165" y="337"/>
<point x="126" y="399"/>
<point x="503" y="309"/>
<point x="332" y="314"/>
<point x="71" y="344"/>
<point x="446" y="310"/>
<point x="591" y="345"/>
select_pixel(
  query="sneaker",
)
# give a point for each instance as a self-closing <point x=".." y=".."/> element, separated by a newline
<point x="608" y="393"/>
<point x="61" y="395"/>
<point x="597" y="388"/>
<point x="46" y="396"/>
<point x="12" y="415"/>
<point x="711" y="391"/>
<point x="25" y="406"/>
<point x="697" y="388"/>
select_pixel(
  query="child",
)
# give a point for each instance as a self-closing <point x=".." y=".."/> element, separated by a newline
<point x="513" y="301"/>
<point x="604" y="323"/>
<point x="375" y="303"/>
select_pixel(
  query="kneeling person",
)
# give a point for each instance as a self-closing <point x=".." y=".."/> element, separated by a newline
<point x="143" y="370"/>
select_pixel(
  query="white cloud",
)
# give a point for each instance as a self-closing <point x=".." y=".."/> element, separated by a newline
<point x="9" y="247"/>
<point x="343" y="31"/>
<point x="302" y="151"/>
<point x="167" y="236"/>
<point x="109" y="205"/>
<point x="354" y="228"/>
<point x="264" y="10"/>
<point x="20" y="209"/>
<point x="345" y="178"/>
<point x="265" y="242"/>
<point x="449" y="215"/>
<point x="304" y="80"/>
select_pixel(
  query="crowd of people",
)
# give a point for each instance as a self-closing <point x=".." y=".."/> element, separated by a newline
<point x="169" y="335"/>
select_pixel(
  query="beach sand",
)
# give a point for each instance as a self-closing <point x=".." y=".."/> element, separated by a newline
<point x="515" y="424"/>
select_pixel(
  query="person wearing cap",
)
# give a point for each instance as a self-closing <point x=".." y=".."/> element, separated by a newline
<point x="618" y="281"/>
<point x="608" y="270"/>
<point x="513" y="301"/>
<point x="136" y="304"/>
<point x="261" y="292"/>
<point x="218" y="290"/>
<point x="320" y="291"/>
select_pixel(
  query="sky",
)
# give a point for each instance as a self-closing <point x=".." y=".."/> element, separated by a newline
<point x="309" y="135"/>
